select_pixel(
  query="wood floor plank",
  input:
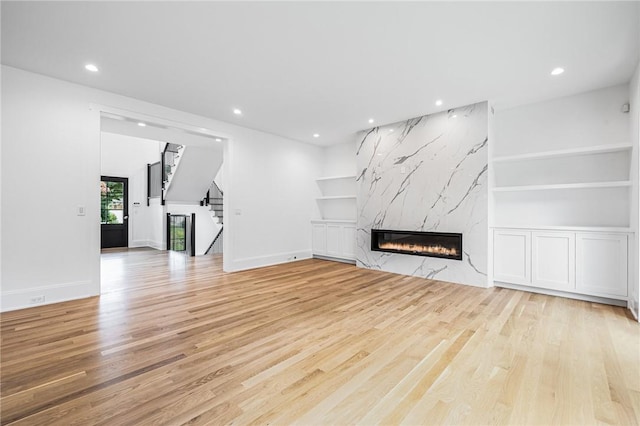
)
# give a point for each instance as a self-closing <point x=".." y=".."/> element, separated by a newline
<point x="175" y="340"/>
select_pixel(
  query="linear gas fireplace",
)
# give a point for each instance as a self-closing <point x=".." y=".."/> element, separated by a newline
<point x="432" y="244"/>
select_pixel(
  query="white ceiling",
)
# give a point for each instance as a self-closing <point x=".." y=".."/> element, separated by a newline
<point x="117" y="124"/>
<point x="297" y="68"/>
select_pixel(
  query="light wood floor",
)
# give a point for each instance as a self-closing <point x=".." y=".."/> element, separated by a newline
<point x="175" y="340"/>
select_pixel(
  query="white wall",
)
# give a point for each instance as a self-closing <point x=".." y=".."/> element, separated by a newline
<point x="128" y="156"/>
<point x="634" y="118"/>
<point x="157" y="225"/>
<point x="588" y="119"/>
<point x="340" y="159"/>
<point x="269" y="201"/>
<point x="51" y="137"/>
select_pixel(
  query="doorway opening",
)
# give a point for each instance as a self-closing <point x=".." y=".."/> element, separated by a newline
<point x="135" y="214"/>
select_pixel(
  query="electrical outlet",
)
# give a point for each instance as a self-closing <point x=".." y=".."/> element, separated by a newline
<point x="36" y="299"/>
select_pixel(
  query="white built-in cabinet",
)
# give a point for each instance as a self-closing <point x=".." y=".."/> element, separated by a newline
<point x="602" y="265"/>
<point x="512" y="254"/>
<point x="319" y="237"/>
<point x="335" y="239"/>
<point x="553" y="260"/>
<point x="583" y="263"/>
<point x="334" y="235"/>
<point x="561" y="220"/>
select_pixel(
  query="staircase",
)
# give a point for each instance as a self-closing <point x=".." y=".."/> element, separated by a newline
<point x="170" y="159"/>
<point x="186" y="175"/>
<point x="214" y="199"/>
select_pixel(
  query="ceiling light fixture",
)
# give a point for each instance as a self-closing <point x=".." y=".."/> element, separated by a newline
<point x="141" y="124"/>
<point x="557" y="71"/>
<point x="218" y="140"/>
<point x="316" y="135"/>
<point x="237" y="111"/>
<point x="391" y="130"/>
<point x="91" y="67"/>
<point x="439" y="102"/>
<point x="454" y="116"/>
<point x="370" y="120"/>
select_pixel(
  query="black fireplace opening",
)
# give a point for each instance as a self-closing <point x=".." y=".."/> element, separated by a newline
<point x="432" y="244"/>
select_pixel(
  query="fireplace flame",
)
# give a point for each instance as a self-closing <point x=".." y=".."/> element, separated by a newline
<point x="417" y="248"/>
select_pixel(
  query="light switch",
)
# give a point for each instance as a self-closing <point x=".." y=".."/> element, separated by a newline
<point x="237" y="212"/>
<point x="81" y="210"/>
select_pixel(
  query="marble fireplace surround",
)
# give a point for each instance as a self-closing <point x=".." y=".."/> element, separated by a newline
<point x="426" y="174"/>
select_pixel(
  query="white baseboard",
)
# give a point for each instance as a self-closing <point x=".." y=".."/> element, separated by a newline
<point x="585" y="297"/>
<point x="334" y="259"/>
<point x="20" y="299"/>
<point x="631" y="305"/>
<point x="158" y="245"/>
<point x="275" y="259"/>
<point x="138" y="243"/>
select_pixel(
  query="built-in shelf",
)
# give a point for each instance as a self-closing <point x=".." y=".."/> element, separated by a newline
<point x="613" y="229"/>
<point x="337" y="200"/>
<point x="615" y="184"/>
<point x="335" y="178"/>
<point x="599" y="149"/>
<point x="337" y="197"/>
<point x="351" y="221"/>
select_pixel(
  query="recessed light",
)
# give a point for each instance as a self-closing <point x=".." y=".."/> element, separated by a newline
<point x="454" y="116"/>
<point x="91" y="67"/>
<point x="391" y="130"/>
<point x="370" y="120"/>
<point x="218" y="140"/>
<point x="316" y="135"/>
<point x="141" y="124"/>
<point x="237" y="111"/>
<point x="557" y="71"/>
<point x="439" y="102"/>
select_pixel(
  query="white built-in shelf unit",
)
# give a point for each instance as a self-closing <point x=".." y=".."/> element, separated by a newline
<point x="338" y="199"/>
<point x="599" y="149"/>
<point x="329" y="178"/>
<point x="563" y="186"/>
<point x="585" y="187"/>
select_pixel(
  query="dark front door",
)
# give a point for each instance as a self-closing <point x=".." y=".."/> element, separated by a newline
<point x="114" y="212"/>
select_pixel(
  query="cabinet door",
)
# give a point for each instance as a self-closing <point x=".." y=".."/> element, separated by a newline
<point x="553" y="260"/>
<point x="319" y="238"/>
<point x="601" y="264"/>
<point x="512" y="256"/>
<point x="334" y="240"/>
<point x="349" y="241"/>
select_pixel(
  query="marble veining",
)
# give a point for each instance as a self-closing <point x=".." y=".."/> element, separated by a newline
<point x="426" y="174"/>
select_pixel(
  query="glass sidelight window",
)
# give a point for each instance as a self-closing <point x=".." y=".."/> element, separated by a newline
<point x="111" y="202"/>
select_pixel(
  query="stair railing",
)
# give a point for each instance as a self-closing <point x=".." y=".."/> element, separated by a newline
<point x="168" y="159"/>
